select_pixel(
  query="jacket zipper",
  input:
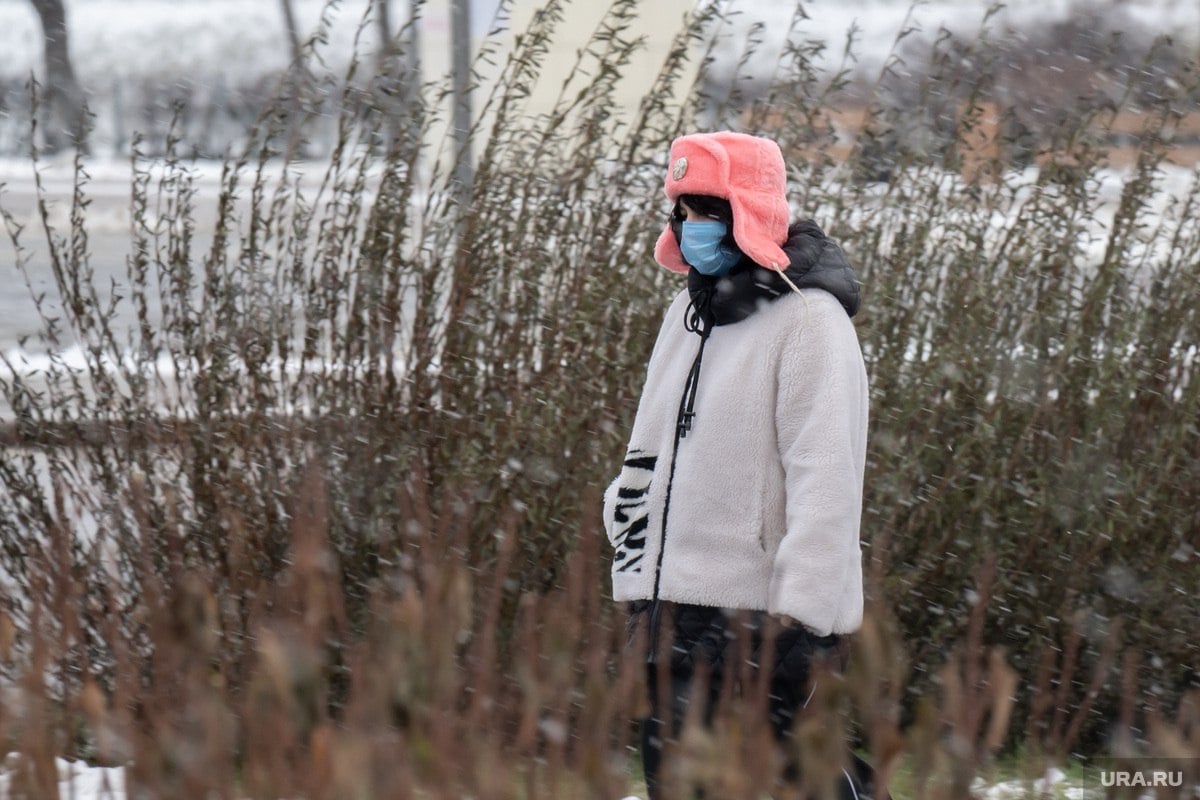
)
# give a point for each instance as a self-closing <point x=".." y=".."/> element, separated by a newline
<point x="683" y="424"/>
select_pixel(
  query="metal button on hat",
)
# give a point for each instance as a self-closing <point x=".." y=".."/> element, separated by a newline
<point x="680" y="169"/>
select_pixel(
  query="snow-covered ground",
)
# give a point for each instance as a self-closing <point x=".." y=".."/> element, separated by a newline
<point x="108" y="227"/>
<point x="76" y="780"/>
<point x="81" y="782"/>
<point x="1054" y="784"/>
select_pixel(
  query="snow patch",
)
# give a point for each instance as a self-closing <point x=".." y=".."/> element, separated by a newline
<point x="1053" y="784"/>
<point x="75" y="779"/>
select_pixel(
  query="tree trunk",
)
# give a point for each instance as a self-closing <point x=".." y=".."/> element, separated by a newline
<point x="293" y="82"/>
<point x="413" y="55"/>
<point x="61" y="97"/>
<point x="293" y="32"/>
<point x="387" y="97"/>
<point x="399" y="72"/>
<point x="460" y="44"/>
<point x="414" y="40"/>
<point x="383" y="22"/>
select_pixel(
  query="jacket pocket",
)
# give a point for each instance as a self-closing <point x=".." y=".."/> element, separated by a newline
<point x="627" y="511"/>
<point x="769" y="516"/>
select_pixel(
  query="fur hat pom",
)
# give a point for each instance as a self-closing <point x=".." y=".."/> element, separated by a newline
<point x="746" y="170"/>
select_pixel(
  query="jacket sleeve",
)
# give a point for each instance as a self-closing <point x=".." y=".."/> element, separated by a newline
<point x="670" y="328"/>
<point x="821" y="427"/>
<point x="608" y="513"/>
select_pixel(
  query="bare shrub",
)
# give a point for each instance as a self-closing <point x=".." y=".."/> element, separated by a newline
<point x="324" y="520"/>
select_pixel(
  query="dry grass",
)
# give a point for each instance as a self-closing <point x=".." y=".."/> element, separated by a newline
<point x="330" y="528"/>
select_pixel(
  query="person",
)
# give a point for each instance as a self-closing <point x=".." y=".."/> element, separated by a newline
<point x="734" y="518"/>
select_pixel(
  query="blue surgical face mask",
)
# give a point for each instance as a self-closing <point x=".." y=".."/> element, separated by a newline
<point x="701" y="245"/>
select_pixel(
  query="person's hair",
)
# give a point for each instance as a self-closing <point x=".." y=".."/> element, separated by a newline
<point x="715" y="207"/>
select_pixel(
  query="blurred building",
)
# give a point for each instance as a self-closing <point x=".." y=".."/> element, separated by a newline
<point x="656" y="24"/>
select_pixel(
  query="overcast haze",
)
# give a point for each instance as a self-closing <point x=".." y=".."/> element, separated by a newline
<point x="235" y="39"/>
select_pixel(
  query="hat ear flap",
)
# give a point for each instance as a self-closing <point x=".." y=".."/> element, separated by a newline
<point x="758" y="227"/>
<point x="667" y="253"/>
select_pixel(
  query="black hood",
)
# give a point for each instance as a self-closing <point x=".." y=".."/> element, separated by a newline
<point x="816" y="262"/>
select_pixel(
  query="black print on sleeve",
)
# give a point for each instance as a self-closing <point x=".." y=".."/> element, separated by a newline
<point x="631" y="517"/>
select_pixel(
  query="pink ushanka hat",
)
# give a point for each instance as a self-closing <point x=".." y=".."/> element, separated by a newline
<point x="749" y="172"/>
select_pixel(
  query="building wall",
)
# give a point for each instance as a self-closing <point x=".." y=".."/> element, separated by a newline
<point x="658" y="21"/>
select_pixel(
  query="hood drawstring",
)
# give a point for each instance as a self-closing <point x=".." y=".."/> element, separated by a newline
<point x="783" y="274"/>
<point x="698" y="320"/>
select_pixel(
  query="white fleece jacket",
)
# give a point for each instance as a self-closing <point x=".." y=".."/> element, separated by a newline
<point x="762" y="506"/>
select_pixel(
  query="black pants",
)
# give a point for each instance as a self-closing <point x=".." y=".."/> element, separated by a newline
<point x="695" y="640"/>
